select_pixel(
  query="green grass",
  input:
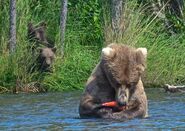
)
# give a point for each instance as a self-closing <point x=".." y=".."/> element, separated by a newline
<point x="82" y="47"/>
<point x="88" y="29"/>
<point x="165" y="61"/>
<point x="72" y="71"/>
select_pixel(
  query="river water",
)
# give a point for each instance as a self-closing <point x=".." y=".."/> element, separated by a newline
<point x="59" y="111"/>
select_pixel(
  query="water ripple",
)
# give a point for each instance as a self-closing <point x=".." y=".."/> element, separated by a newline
<point x="59" y="111"/>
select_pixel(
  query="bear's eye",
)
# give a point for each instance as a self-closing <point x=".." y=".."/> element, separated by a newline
<point x="132" y="86"/>
<point x="128" y="85"/>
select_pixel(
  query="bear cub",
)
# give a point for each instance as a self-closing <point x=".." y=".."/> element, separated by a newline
<point x="37" y="34"/>
<point x="117" y="77"/>
<point x="41" y="47"/>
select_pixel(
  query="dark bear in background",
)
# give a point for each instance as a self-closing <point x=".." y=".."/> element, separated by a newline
<point x="37" y="34"/>
<point x="41" y="47"/>
<point x="117" y="77"/>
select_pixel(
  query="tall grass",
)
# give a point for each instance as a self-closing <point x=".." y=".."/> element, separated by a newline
<point x="14" y="68"/>
<point x="81" y="49"/>
<point x="85" y="34"/>
<point x="74" y="69"/>
<point x="165" y="61"/>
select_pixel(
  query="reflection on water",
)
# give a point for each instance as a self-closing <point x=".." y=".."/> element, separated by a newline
<point x="59" y="111"/>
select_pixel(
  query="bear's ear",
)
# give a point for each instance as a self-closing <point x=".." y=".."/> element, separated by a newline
<point x="43" y="24"/>
<point x="30" y="26"/>
<point x="108" y="52"/>
<point x="143" y="51"/>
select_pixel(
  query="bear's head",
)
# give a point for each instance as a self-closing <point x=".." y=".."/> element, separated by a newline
<point x="126" y="65"/>
<point x="46" y="58"/>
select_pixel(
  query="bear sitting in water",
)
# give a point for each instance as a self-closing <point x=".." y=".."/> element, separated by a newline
<point x="117" y="77"/>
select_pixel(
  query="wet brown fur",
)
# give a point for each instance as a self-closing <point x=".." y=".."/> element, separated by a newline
<point x="117" y="77"/>
<point x="126" y="65"/>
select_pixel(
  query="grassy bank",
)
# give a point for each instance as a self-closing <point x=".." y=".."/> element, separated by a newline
<point x="165" y="61"/>
<point x="83" y="42"/>
<point x="88" y="30"/>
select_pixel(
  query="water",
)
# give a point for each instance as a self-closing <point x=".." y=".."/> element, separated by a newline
<point x="59" y="111"/>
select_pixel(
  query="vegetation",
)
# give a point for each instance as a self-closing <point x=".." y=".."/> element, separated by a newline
<point x="88" y="30"/>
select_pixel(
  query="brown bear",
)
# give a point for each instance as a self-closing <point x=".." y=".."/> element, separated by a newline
<point x="37" y="34"/>
<point x="117" y="77"/>
<point x="45" y="54"/>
